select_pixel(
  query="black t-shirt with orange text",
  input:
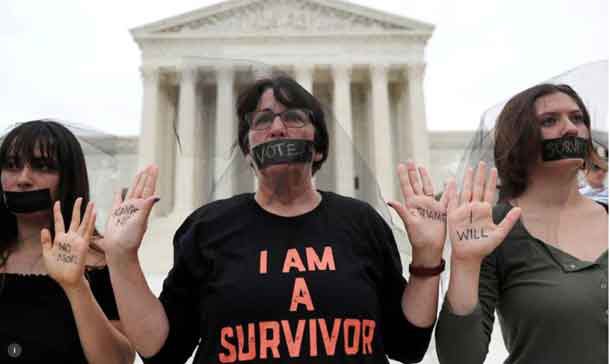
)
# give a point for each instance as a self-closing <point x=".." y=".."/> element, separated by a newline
<point x="249" y="286"/>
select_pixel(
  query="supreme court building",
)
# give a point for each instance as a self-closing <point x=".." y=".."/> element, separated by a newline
<point x="367" y="65"/>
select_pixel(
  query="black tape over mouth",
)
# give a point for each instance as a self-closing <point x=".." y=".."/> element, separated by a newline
<point x="24" y="202"/>
<point x="282" y="151"/>
<point x="570" y="147"/>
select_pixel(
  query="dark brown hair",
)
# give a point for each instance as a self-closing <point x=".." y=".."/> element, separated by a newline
<point x="290" y="94"/>
<point x="517" y="137"/>
<point x="55" y="143"/>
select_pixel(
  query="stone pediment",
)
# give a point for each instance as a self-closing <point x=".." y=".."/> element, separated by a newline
<point x="282" y="17"/>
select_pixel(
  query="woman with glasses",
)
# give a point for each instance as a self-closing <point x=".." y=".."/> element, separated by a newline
<point x="289" y="274"/>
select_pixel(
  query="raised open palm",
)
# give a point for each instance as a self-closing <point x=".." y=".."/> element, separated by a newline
<point x="424" y="217"/>
<point x="64" y="256"/>
<point x="128" y="218"/>
<point x="473" y="233"/>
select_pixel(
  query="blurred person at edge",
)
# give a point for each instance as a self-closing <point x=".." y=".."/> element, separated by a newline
<point x="288" y="273"/>
<point x="56" y="300"/>
<point x="547" y="280"/>
<point x="595" y="179"/>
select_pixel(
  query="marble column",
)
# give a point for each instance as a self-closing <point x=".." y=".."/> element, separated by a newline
<point x="343" y="131"/>
<point x="304" y="76"/>
<point x="226" y="131"/>
<point x="382" y="148"/>
<point x="187" y="158"/>
<point x="150" y="126"/>
<point x="416" y="114"/>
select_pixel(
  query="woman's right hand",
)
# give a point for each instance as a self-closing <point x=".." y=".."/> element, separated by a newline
<point x="128" y="218"/>
<point x="471" y="228"/>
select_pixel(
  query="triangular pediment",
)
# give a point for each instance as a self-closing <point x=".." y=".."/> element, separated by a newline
<point x="282" y="17"/>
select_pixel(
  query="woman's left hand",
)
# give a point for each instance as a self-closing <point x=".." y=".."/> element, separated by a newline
<point x="64" y="257"/>
<point x="424" y="217"/>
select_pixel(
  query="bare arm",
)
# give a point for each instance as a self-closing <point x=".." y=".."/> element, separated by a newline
<point x="420" y="297"/>
<point x="425" y="221"/>
<point x="142" y="314"/>
<point x="64" y="258"/>
<point x="101" y="341"/>
<point x="473" y="213"/>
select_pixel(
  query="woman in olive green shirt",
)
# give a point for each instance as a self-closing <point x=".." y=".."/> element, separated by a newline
<point x="544" y="267"/>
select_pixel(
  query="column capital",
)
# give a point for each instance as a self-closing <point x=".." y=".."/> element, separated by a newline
<point x="341" y="70"/>
<point x="379" y="69"/>
<point x="414" y="70"/>
<point x="188" y="73"/>
<point x="224" y="71"/>
<point x="150" y="73"/>
<point x="304" y="67"/>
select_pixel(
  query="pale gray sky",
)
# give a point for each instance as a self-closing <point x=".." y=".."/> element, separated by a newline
<point x="75" y="60"/>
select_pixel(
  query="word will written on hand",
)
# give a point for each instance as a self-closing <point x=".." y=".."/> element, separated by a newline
<point x="123" y="213"/>
<point x="471" y="234"/>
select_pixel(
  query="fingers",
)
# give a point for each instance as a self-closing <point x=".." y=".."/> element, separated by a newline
<point x="449" y="194"/>
<point x="151" y="181"/>
<point x="466" y="195"/>
<point x="139" y="188"/>
<point x="414" y="178"/>
<point x="136" y="182"/>
<point x="490" y="186"/>
<point x="479" y="182"/>
<point x="148" y="205"/>
<point x="90" y="228"/>
<point x="75" y="222"/>
<point x="509" y="221"/>
<point x="427" y="182"/>
<point x="46" y="241"/>
<point x="405" y="185"/>
<point x="400" y="210"/>
<point x="58" y="218"/>
<point x="84" y="226"/>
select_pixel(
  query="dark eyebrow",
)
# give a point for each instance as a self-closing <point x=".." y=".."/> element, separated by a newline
<point x="548" y="113"/>
<point x="265" y="109"/>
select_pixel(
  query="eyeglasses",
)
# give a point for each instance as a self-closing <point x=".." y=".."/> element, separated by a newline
<point x="292" y="118"/>
<point x="596" y="168"/>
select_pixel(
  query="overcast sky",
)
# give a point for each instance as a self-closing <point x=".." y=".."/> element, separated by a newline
<point x="75" y="60"/>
